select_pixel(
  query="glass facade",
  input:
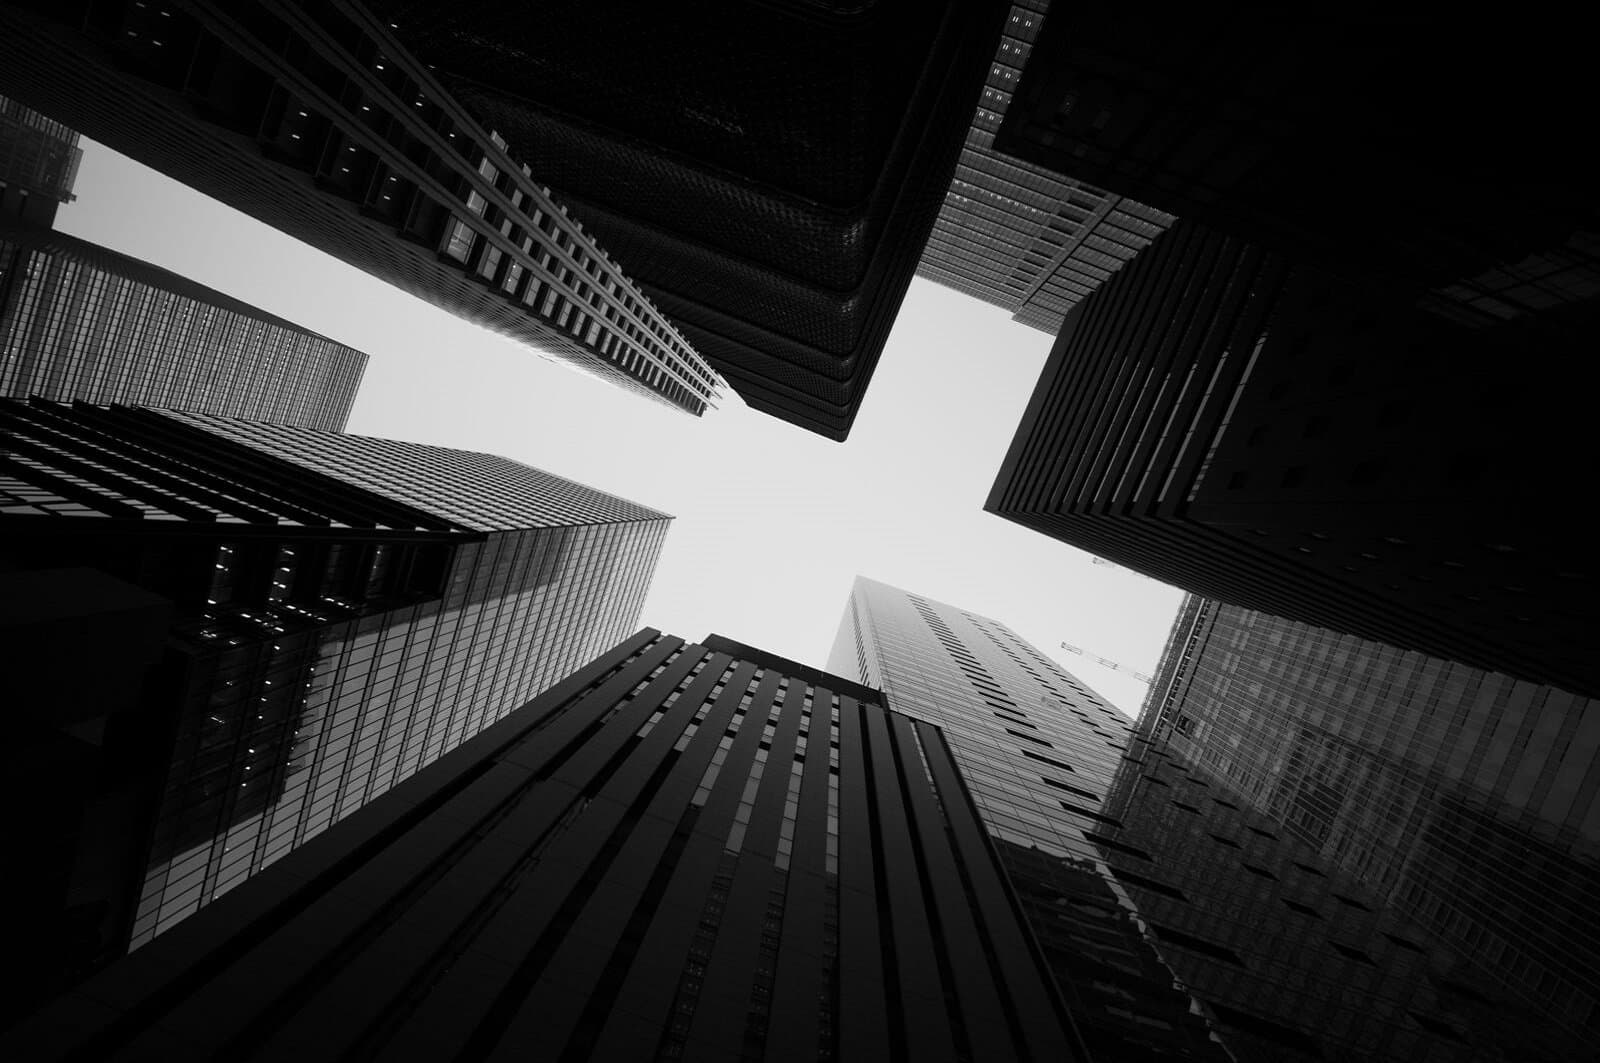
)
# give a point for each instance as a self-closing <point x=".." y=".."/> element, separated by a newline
<point x="1021" y="236"/>
<point x="346" y="611"/>
<point x="1463" y="798"/>
<point x="79" y="321"/>
<point x="1177" y="921"/>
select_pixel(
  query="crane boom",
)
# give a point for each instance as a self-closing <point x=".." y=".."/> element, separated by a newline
<point x="1106" y="662"/>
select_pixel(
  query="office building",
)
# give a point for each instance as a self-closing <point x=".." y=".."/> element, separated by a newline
<point x="680" y="851"/>
<point x="342" y="611"/>
<point x="78" y="321"/>
<point x="1018" y="235"/>
<point x="38" y="164"/>
<point x="1335" y="136"/>
<point x="1264" y="433"/>
<point x="1160" y="901"/>
<point x="768" y="174"/>
<point x="1465" y="799"/>
<point x="317" y="122"/>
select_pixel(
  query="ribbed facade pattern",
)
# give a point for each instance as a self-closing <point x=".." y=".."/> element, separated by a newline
<point x="768" y="176"/>
<point x="334" y="632"/>
<point x="1154" y="891"/>
<point x="1466" y="799"/>
<point x="1269" y="435"/>
<point x="346" y="142"/>
<point x="679" y="851"/>
<point x="1016" y="234"/>
<point x="78" y="321"/>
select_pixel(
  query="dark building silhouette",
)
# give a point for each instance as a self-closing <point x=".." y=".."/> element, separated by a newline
<point x="1019" y="235"/>
<point x="679" y="852"/>
<point x="314" y="120"/>
<point x="1157" y="895"/>
<point x="1340" y="136"/>
<point x="1465" y="799"/>
<point x="278" y="625"/>
<point x="38" y="164"/>
<point x="1272" y="435"/>
<point x="79" y="321"/>
<point x="768" y="173"/>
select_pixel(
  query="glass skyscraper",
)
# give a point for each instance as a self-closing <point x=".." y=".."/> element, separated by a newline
<point x="1176" y="920"/>
<point x="344" y="611"/>
<point x="79" y="321"/>
<point x="1466" y="799"/>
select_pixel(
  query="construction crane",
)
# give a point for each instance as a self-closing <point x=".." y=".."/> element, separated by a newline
<point x="1113" y="564"/>
<point x="1104" y="662"/>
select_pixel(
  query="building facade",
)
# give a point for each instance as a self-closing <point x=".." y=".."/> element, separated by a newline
<point x="1465" y="799"/>
<point x="681" y="851"/>
<point x="1265" y="433"/>
<point x="79" y="321"/>
<point x="1019" y="235"/>
<point x="1162" y="902"/>
<point x="1225" y="118"/>
<point x="769" y="174"/>
<point x="38" y="164"/>
<point x="347" y="142"/>
<point x="343" y="611"/>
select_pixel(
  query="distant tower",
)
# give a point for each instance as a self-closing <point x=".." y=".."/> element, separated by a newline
<point x="1156" y="895"/>
<point x="78" y="321"/>
<point x="343" y="610"/>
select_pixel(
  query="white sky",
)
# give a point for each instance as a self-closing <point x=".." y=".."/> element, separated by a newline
<point x="773" y="522"/>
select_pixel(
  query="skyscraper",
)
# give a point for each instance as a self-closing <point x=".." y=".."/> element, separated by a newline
<point x="78" y="321"/>
<point x="1334" y="136"/>
<point x="316" y="121"/>
<point x="343" y="611"/>
<point x="38" y="164"/>
<point x="1019" y="235"/>
<point x="1270" y="434"/>
<point x="681" y="851"/>
<point x="1156" y="895"/>
<point x="769" y="174"/>
<point x="1466" y="799"/>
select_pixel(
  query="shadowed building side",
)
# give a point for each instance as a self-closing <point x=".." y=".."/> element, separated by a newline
<point x="679" y="851"/>
<point x="1268" y="434"/>
<point x="341" y="612"/>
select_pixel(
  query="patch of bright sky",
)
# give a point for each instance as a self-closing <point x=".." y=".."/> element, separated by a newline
<point x="773" y="523"/>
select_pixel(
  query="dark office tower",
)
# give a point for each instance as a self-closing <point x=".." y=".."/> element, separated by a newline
<point x="312" y="119"/>
<point x="1265" y="434"/>
<point x="1337" y="136"/>
<point x="769" y="173"/>
<point x="1467" y="800"/>
<point x="78" y="321"/>
<point x="678" y="852"/>
<point x="1137" y="878"/>
<point x="38" y="164"/>
<point x="344" y="610"/>
<point x="1019" y="235"/>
